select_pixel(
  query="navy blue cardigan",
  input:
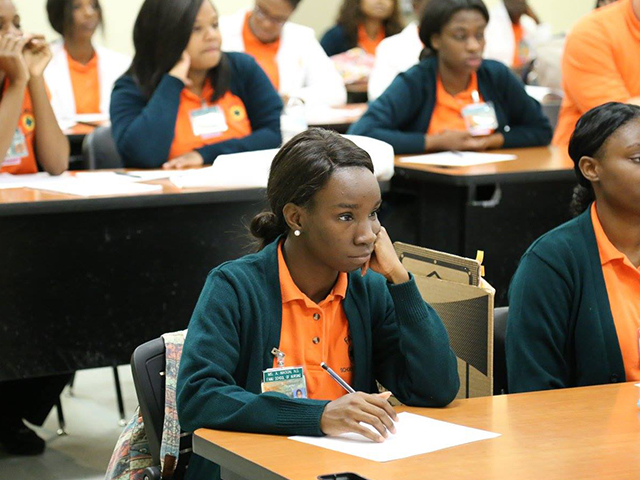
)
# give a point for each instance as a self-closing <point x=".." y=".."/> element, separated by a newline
<point x="335" y="41"/>
<point x="143" y="129"/>
<point x="401" y="115"/>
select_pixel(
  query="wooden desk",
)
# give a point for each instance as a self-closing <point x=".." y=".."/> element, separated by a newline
<point x="86" y="280"/>
<point x="500" y="208"/>
<point x="586" y="433"/>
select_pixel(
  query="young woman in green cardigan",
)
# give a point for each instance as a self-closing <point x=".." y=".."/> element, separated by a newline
<point x="574" y="302"/>
<point x="324" y="199"/>
<point x="424" y="109"/>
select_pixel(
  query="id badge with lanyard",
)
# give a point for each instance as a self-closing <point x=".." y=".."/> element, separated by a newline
<point x="287" y="380"/>
<point x="208" y="121"/>
<point x="480" y="117"/>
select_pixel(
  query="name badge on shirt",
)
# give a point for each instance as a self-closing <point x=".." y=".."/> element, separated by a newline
<point x="208" y="121"/>
<point x="288" y="380"/>
<point x="480" y="118"/>
<point x="17" y="151"/>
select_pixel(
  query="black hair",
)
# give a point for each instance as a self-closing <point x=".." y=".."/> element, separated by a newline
<point x="437" y="13"/>
<point x="294" y="3"/>
<point x="299" y="170"/>
<point x="161" y="34"/>
<point x="60" y="14"/>
<point x="589" y="140"/>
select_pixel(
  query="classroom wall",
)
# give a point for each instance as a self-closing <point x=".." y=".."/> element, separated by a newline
<point x="120" y="16"/>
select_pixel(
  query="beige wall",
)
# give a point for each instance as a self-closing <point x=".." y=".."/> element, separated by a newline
<point x="320" y="14"/>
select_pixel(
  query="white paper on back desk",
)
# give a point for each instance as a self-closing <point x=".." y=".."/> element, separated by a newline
<point x="457" y="159"/>
<point x="415" y="435"/>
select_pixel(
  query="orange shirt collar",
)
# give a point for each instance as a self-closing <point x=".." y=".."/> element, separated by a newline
<point x="367" y="44"/>
<point x="291" y="292"/>
<point x="608" y="252"/>
<point x="461" y="99"/>
<point x="81" y="67"/>
<point x="207" y="93"/>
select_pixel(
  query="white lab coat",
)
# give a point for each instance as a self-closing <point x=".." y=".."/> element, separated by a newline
<point x="305" y="70"/>
<point x="111" y="65"/>
<point x="394" y="55"/>
<point x="500" y="43"/>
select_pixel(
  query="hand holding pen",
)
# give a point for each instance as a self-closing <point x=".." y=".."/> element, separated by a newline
<point x="346" y="414"/>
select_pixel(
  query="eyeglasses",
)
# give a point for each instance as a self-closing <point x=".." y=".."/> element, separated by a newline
<point x="260" y="13"/>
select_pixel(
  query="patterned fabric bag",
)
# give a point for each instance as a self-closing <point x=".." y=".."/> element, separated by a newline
<point x="131" y="454"/>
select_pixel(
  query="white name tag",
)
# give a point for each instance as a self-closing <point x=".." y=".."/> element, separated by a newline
<point x="208" y="121"/>
<point x="17" y="151"/>
<point x="480" y="118"/>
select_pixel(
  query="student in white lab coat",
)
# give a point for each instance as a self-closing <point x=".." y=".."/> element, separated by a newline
<point x="80" y="75"/>
<point x="396" y="54"/>
<point x="513" y="32"/>
<point x="290" y="54"/>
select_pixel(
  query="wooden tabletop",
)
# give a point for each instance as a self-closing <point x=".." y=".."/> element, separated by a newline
<point x="586" y="433"/>
<point x="538" y="162"/>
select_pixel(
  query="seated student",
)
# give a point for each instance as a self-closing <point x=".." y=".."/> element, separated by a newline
<point x="80" y="75"/>
<point x="364" y="24"/>
<point x="29" y="135"/>
<point x="600" y="64"/>
<point x="289" y="53"/>
<point x="326" y="286"/>
<point x="184" y="102"/>
<point x="574" y="302"/>
<point x="396" y="54"/>
<point x="513" y="33"/>
<point x="422" y="110"/>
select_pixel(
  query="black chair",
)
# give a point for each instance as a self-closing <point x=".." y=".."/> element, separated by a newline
<point x="99" y="150"/>
<point x="500" y="384"/>
<point x="147" y="365"/>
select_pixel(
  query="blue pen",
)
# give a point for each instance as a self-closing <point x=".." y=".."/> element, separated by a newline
<point x="337" y="378"/>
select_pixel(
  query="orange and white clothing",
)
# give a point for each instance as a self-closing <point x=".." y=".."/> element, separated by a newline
<point x="21" y="158"/>
<point x="447" y="112"/>
<point x="76" y="88"/>
<point x="500" y="36"/>
<point x="312" y="333"/>
<point x="622" y="280"/>
<point x="303" y="68"/>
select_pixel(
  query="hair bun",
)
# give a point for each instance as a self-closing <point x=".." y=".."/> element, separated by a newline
<point x="264" y="226"/>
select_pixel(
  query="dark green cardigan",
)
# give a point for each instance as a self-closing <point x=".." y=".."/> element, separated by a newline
<point x="402" y="114"/>
<point x="560" y="331"/>
<point x="397" y="339"/>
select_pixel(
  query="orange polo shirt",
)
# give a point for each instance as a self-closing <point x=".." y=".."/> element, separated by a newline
<point x="369" y="45"/>
<point x="622" y="280"/>
<point x="313" y="333"/>
<point x="86" y="84"/>
<point x="264" y="53"/>
<point x="21" y="158"/>
<point x="600" y="64"/>
<point x="447" y="113"/>
<point x="521" y="52"/>
<point x="185" y="140"/>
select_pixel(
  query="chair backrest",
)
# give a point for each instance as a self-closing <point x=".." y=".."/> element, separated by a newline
<point x="147" y="366"/>
<point x="500" y="384"/>
<point x="100" y="150"/>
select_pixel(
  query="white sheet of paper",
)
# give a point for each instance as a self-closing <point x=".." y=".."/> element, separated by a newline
<point x="86" y="188"/>
<point x="637" y="384"/>
<point x="131" y="176"/>
<point x="8" y="180"/>
<point x="458" y="159"/>
<point x="324" y="115"/>
<point x="415" y="435"/>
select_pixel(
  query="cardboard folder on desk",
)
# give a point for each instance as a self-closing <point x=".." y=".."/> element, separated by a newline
<point x="454" y="287"/>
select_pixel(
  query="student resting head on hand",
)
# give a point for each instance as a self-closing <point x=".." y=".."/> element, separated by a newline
<point x="29" y="132"/>
<point x="325" y="286"/>
<point x="183" y="102"/>
<point x="364" y="24"/>
<point x="80" y="75"/>
<point x="453" y="99"/>
<point x="574" y="302"/>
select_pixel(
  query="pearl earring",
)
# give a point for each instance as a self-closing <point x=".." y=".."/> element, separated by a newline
<point x="297" y="233"/>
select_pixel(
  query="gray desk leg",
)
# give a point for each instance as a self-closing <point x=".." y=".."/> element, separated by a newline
<point x="226" y="474"/>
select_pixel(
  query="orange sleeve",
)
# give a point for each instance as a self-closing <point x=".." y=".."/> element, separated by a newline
<point x="590" y="74"/>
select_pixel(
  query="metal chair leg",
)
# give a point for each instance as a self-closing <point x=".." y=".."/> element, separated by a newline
<point x="116" y="377"/>
<point x="71" y="384"/>
<point x="61" y="422"/>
